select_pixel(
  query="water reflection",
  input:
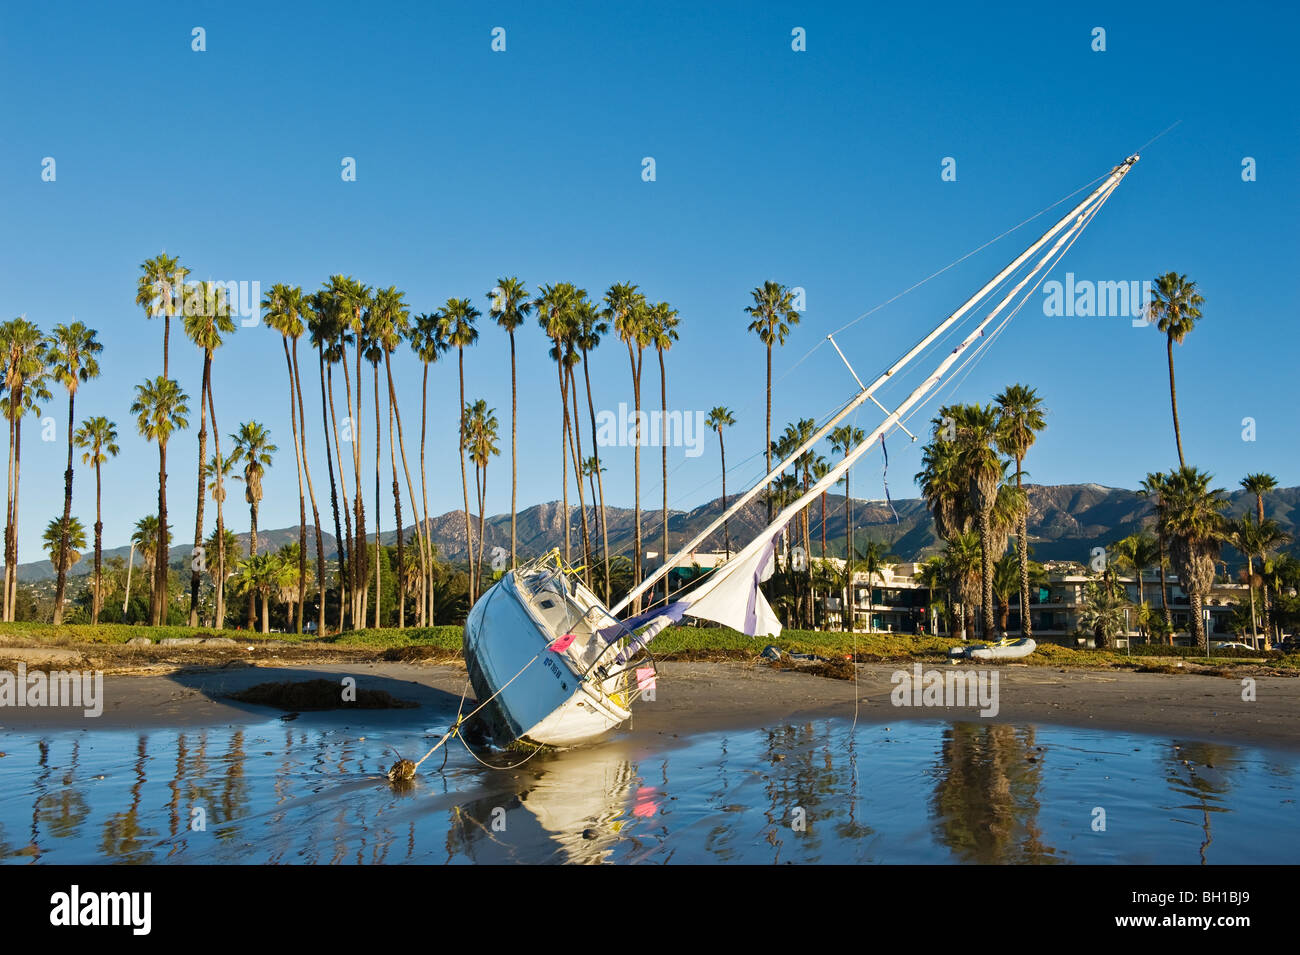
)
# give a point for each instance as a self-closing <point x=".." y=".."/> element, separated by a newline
<point x="312" y="791"/>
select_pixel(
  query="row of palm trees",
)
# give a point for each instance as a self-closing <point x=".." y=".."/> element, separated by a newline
<point x="346" y="322"/>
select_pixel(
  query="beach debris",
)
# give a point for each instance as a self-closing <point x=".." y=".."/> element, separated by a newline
<point x="402" y="771"/>
<point x="771" y="652"/>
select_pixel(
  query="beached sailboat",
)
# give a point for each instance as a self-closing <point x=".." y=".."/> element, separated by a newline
<point x="550" y="664"/>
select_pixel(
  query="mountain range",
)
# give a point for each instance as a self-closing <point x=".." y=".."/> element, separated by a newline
<point x="1065" y="522"/>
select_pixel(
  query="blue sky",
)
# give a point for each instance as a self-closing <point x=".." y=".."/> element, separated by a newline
<point x="818" y="169"/>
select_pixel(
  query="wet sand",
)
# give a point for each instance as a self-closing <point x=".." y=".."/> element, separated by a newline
<point x="701" y="697"/>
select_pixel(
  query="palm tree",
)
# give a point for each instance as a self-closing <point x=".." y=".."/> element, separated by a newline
<point x="664" y="320"/>
<point x="217" y="471"/>
<point x="977" y="432"/>
<point x="510" y="306"/>
<point x="1021" y="416"/>
<point x="626" y="310"/>
<point x="1136" y="552"/>
<point x="98" y="438"/>
<point x="773" y="314"/>
<point x="719" y="418"/>
<point x="22" y="350"/>
<point x="962" y="555"/>
<point x="261" y="575"/>
<point x="1175" y="305"/>
<point x="160" y="407"/>
<point x="458" y="317"/>
<point x="555" y="316"/>
<point x="353" y="300"/>
<point x="480" y="431"/>
<point x="160" y="290"/>
<point x="392" y="322"/>
<point x="1259" y="485"/>
<point x="590" y="326"/>
<point x="63" y="541"/>
<point x="1195" y="527"/>
<point x="429" y="342"/>
<point x="253" y="449"/>
<point x="205" y="327"/>
<point x="326" y="330"/>
<point x="843" y="440"/>
<point x="145" y="538"/>
<point x="70" y="356"/>
<point x="1256" y="539"/>
<point x="285" y="309"/>
<point x="1103" y="613"/>
<point x="874" y="559"/>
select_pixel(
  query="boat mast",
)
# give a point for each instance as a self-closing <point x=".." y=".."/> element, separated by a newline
<point x="1112" y="180"/>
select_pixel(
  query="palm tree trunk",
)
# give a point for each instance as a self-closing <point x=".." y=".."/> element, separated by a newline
<point x="347" y="555"/>
<point x="421" y="524"/>
<point x="600" y="483"/>
<point x="767" y="444"/>
<point x="161" y="555"/>
<point x="252" y="552"/>
<point x="482" y="506"/>
<point x="514" y="454"/>
<point x="302" y="499"/>
<point x="99" y="548"/>
<point x="219" y="617"/>
<point x="726" y="533"/>
<point x="1250" y="582"/>
<point x="426" y="580"/>
<point x="1164" y="590"/>
<point x="60" y="588"/>
<point x="361" y="589"/>
<point x="464" y="478"/>
<point x="315" y="514"/>
<point x="378" y="519"/>
<point x="339" y="542"/>
<point x="9" y="513"/>
<point x="636" y="482"/>
<point x="195" y="575"/>
<point x="1022" y="555"/>
<point x="986" y="572"/>
<point x="564" y="451"/>
<point x="397" y="519"/>
<point x="1173" y="400"/>
<point x="575" y="435"/>
<point x="663" y="458"/>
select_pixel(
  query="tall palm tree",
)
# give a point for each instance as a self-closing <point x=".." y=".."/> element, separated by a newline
<point x="391" y="325"/>
<point x="160" y="408"/>
<point x="664" y="321"/>
<point x="224" y="543"/>
<point x="510" y="306"/>
<point x="458" y="317"/>
<point x="626" y="311"/>
<point x="1136" y="552"/>
<point x="205" y="327"/>
<point x="22" y="350"/>
<point x="555" y="306"/>
<point x="1175" y="305"/>
<point x="97" y="437"/>
<point x="71" y="356"/>
<point x="353" y="301"/>
<point x="253" y="449"/>
<point x="481" y="438"/>
<point x="773" y="314"/>
<point x="429" y="342"/>
<point x="1195" y="527"/>
<point x="326" y="330"/>
<point x="160" y="290"/>
<point x="977" y="431"/>
<point x="285" y="309"/>
<point x="590" y="326"/>
<point x="1259" y="485"/>
<point x="719" y="418"/>
<point x="1021" y="416"/>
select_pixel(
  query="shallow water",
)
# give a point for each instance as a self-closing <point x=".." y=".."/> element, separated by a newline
<point x="309" y="790"/>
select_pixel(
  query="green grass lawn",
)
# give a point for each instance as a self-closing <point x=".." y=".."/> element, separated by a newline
<point x="676" y="641"/>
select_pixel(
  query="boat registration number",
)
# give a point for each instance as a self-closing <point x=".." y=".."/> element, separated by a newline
<point x="554" y="667"/>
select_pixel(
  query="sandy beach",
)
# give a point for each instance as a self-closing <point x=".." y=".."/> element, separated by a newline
<point x="695" y="697"/>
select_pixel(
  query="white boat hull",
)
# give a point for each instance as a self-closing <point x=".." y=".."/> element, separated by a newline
<point x="999" y="651"/>
<point x="536" y="694"/>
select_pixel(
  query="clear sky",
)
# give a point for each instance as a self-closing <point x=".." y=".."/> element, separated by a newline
<point x="819" y="169"/>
